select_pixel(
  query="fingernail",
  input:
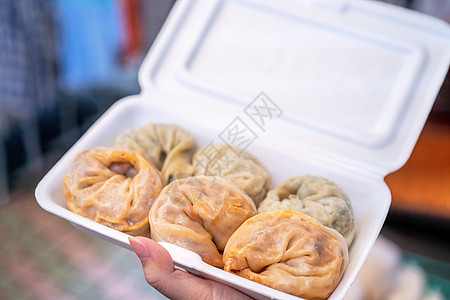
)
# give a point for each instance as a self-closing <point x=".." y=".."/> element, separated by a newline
<point x="139" y="248"/>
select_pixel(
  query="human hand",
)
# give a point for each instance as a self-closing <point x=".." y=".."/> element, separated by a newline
<point x="160" y="273"/>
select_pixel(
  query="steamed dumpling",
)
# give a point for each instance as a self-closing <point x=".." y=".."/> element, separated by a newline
<point x="288" y="251"/>
<point x="169" y="147"/>
<point x="238" y="166"/>
<point x="317" y="197"/>
<point x="113" y="187"/>
<point x="200" y="214"/>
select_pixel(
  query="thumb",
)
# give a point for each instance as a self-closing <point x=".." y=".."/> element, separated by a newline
<point x="160" y="273"/>
<point x="176" y="284"/>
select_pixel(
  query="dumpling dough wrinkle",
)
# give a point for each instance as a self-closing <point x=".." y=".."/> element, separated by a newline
<point x="168" y="147"/>
<point x="288" y="251"/>
<point x="112" y="187"/>
<point x="317" y="197"/>
<point x="238" y="166"/>
<point x="200" y="214"/>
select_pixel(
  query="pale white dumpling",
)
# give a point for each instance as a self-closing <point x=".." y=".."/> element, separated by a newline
<point x="237" y="166"/>
<point x="169" y="147"/>
<point x="317" y="197"/>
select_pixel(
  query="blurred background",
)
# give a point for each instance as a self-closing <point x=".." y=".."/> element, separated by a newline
<point x="65" y="62"/>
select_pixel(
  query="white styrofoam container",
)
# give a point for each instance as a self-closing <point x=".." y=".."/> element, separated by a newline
<point x="350" y="83"/>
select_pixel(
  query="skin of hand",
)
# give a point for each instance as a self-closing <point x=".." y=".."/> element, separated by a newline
<point x="175" y="284"/>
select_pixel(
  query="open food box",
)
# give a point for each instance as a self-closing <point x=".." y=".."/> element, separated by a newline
<point x="333" y="88"/>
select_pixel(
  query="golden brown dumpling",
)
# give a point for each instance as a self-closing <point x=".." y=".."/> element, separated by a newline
<point x="114" y="188"/>
<point x="238" y="166"/>
<point x="169" y="147"/>
<point x="200" y="214"/>
<point x="288" y="251"/>
<point x="317" y="197"/>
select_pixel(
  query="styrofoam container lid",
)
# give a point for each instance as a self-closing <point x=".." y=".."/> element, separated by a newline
<point x="349" y="85"/>
<point x="354" y="79"/>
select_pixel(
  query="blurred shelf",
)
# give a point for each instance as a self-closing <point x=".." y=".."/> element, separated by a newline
<point x="419" y="234"/>
<point x="419" y="218"/>
<point x="422" y="185"/>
